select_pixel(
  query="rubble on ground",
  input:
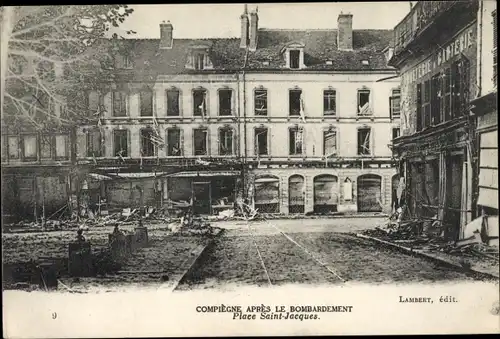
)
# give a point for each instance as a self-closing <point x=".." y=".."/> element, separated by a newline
<point x="428" y="234"/>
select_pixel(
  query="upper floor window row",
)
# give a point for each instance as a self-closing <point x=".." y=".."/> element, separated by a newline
<point x="226" y="101"/>
<point x="36" y="147"/>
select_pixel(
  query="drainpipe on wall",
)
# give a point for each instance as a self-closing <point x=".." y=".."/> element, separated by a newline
<point x="480" y="47"/>
<point x="245" y="151"/>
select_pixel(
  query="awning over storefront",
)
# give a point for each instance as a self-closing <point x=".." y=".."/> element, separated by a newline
<point x="192" y="174"/>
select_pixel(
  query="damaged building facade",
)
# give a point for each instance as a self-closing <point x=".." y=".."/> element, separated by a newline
<point x="317" y="123"/>
<point x="36" y="163"/>
<point x="436" y="47"/>
<point x="296" y="121"/>
<point x="485" y="108"/>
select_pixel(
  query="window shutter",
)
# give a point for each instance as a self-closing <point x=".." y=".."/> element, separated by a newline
<point x="181" y="132"/>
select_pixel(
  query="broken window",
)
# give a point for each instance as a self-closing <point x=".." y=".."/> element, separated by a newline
<point x="199" y="61"/>
<point x="200" y="102"/>
<point x="296" y="141"/>
<point x="446" y="93"/>
<point x="226" y="141"/>
<point x="93" y="102"/>
<point x="364" y="141"/>
<point x="94" y="143"/>
<point x="173" y="102"/>
<point x="396" y="132"/>
<point x="460" y="87"/>
<point x="61" y="146"/>
<point x="46" y="146"/>
<point x="13" y="147"/>
<point x="200" y="141"/>
<point x="436" y="99"/>
<point x="225" y="102"/>
<point x="295" y="102"/>
<point x="395" y="103"/>
<point x="364" y="102"/>
<point x="260" y="102"/>
<point x="419" y="107"/>
<point x="329" y="102"/>
<point x="120" y="139"/>
<point x="127" y="61"/>
<point x="119" y="104"/>
<point x="146" y="99"/>
<point x="148" y="145"/>
<point x="261" y="147"/>
<point x="294" y="59"/>
<point x="174" y="142"/>
<point x="329" y="143"/>
<point x="29" y="147"/>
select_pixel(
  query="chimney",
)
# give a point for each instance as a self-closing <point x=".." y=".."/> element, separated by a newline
<point x="244" y="28"/>
<point x="344" y="35"/>
<point x="166" y="35"/>
<point x="254" y="28"/>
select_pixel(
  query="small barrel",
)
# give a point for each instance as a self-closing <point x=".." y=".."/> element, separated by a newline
<point x="141" y="236"/>
<point x="48" y="275"/>
<point x="80" y="259"/>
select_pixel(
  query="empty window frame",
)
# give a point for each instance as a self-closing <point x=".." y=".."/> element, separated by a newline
<point x="173" y="96"/>
<point x="364" y="141"/>
<point x="174" y="148"/>
<point x="419" y="107"/>
<point x="93" y="101"/>
<point x="226" y="141"/>
<point x="13" y="144"/>
<point x="426" y="104"/>
<point x="30" y="148"/>
<point x="225" y="102"/>
<point x="61" y="146"/>
<point x="295" y="102"/>
<point x="199" y="61"/>
<point x="119" y="104"/>
<point x="260" y="102"/>
<point x="146" y="102"/>
<point x="364" y="102"/>
<point x="94" y="143"/>
<point x="446" y="94"/>
<point x="120" y="141"/>
<point x="200" y="102"/>
<point x="329" y="143"/>
<point x="46" y="146"/>
<point x="200" y="136"/>
<point x="436" y="99"/>
<point x="329" y="102"/>
<point x="261" y="141"/>
<point x="296" y="141"/>
<point x="294" y="58"/>
<point x="395" y="104"/>
<point x="396" y="132"/>
<point x="148" y="146"/>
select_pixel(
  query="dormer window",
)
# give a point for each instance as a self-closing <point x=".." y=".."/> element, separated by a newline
<point x="199" y="56"/>
<point x="294" y="59"/>
<point x="199" y="61"/>
<point x="294" y="55"/>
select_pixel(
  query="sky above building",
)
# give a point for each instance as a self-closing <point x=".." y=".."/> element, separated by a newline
<point x="223" y="20"/>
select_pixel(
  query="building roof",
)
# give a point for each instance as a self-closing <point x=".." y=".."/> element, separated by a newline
<point x="225" y="54"/>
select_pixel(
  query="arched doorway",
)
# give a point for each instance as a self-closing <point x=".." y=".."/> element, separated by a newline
<point x="369" y="193"/>
<point x="296" y="194"/>
<point x="325" y="193"/>
<point x="267" y="193"/>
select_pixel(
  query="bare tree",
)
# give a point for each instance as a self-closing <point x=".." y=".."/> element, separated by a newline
<point x="49" y="53"/>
